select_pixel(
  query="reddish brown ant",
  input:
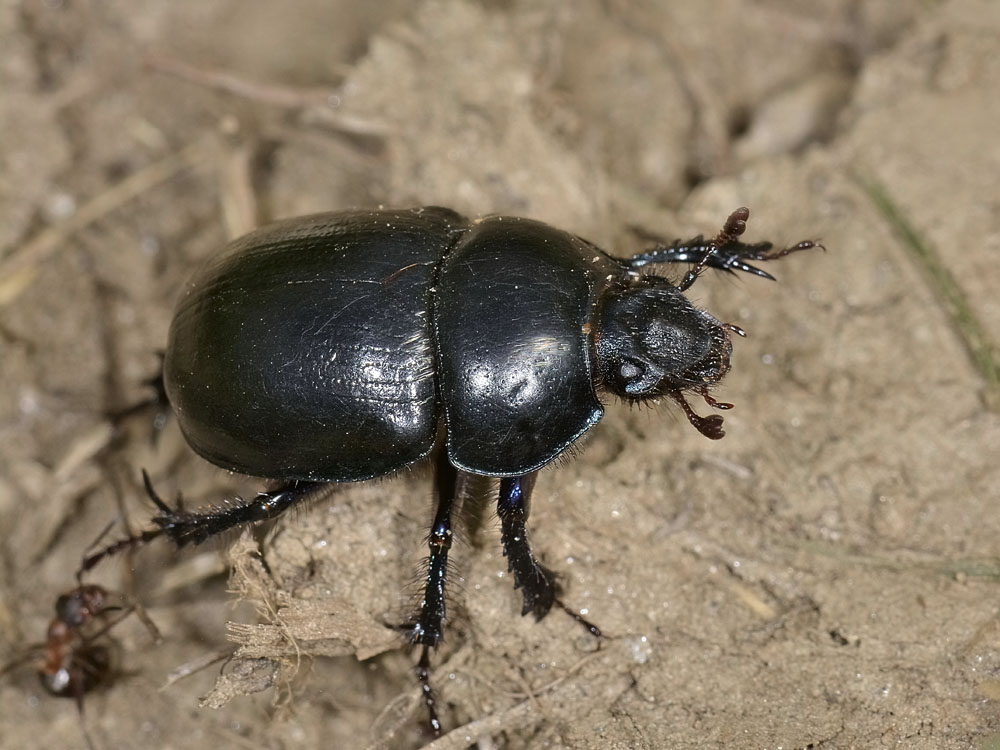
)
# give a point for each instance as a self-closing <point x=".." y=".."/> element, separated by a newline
<point x="76" y="656"/>
<point x="75" y="660"/>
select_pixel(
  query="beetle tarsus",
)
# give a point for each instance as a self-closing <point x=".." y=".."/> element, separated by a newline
<point x="136" y="540"/>
<point x="423" y="670"/>
<point x="587" y="624"/>
<point x="735" y="225"/>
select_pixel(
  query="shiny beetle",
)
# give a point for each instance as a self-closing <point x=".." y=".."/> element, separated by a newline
<point x="345" y="346"/>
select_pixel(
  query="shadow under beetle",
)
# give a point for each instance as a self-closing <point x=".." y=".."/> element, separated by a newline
<point x="345" y="346"/>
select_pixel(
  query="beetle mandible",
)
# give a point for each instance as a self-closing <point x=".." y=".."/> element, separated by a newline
<point x="345" y="346"/>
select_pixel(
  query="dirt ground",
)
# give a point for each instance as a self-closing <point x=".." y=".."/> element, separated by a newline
<point x="824" y="577"/>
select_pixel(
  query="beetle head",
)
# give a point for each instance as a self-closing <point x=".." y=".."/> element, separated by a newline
<point x="652" y="342"/>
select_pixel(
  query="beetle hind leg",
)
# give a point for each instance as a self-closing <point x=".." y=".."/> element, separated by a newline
<point x="194" y="527"/>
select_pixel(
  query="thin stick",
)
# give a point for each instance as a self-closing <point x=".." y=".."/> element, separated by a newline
<point x="19" y="269"/>
<point x="318" y="100"/>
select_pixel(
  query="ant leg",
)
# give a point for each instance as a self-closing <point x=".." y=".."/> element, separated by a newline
<point x="537" y="582"/>
<point x="427" y="629"/>
<point x="87" y="601"/>
<point x="725" y="252"/>
<point x="122" y="613"/>
<point x="146" y="620"/>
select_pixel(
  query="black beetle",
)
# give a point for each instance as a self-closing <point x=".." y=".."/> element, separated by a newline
<point x="345" y="346"/>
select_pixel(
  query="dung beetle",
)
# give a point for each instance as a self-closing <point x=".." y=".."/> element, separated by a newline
<point x="345" y="346"/>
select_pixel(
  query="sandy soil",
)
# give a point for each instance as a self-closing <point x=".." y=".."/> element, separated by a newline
<point x="826" y="576"/>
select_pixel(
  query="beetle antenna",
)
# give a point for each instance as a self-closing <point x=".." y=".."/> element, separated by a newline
<point x="703" y="392"/>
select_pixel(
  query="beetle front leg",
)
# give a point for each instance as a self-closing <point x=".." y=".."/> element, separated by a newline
<point x="725" y="252"/>
<point x="536" y="581"/>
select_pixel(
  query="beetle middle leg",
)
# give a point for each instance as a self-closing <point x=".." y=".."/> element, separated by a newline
<point x="427" y="628"/>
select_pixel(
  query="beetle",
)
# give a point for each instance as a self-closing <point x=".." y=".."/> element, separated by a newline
<point x="340" y="347"/>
